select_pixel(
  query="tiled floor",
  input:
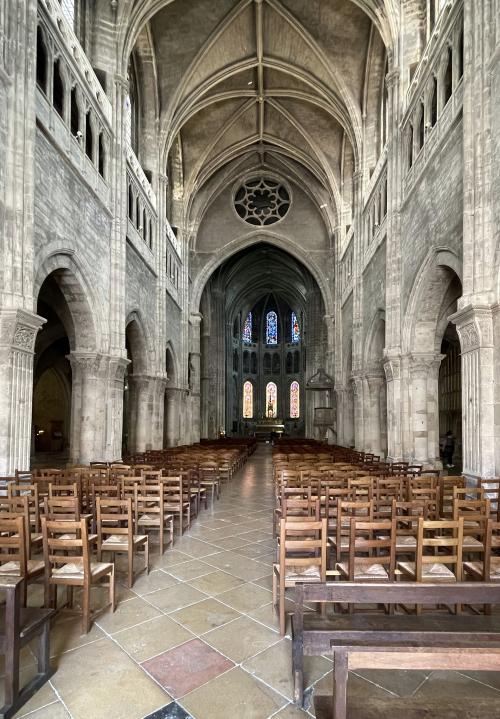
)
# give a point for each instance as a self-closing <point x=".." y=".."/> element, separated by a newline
<point x="198" y="637"/>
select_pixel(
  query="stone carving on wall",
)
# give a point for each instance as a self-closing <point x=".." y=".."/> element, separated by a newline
<point x="469" y="337"/>
<point x="24" y="338"/>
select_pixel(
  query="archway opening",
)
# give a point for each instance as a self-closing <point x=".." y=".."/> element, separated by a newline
<point x="172" y="413"/>
<point x="133" y="390"/>
<point x="52" y="385"/>
<point x="450" y="401"/>
<point x="262" y="337"/>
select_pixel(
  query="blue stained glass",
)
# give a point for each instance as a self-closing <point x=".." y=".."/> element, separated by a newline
<point x="295" y="328"/>
<point x="247" y="330"/>
<point x="272" y="328"/>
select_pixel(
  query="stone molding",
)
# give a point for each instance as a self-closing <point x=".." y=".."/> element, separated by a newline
<point x="475" y="327"/>
<point x="18" y="330"/>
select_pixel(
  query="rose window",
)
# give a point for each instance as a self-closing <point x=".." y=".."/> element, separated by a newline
<point x="262" y="201"/>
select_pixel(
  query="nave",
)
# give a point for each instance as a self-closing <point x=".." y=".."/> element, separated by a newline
<point x="199" y="637"/>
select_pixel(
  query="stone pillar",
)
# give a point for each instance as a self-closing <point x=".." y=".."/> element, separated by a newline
<point x="424" y="408"/>
<point x="392" y="368"/>
<point x="117" y="369"/>
<point x="18" y="330"/>
<point x="475" y="329"/>
<point x="147" y="403"/>
<point x="88" y="407"/>
<point x="173" y="398"/>
<point x="194" y="377"/>
<point x="358" y="389"/>
<point x="345" y="416"/>
<point x="373" y="424"/>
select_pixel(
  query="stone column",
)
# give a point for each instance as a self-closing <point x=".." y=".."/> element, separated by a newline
<point x="88" y="407"/>
<point x="147" y="403"/>
<point x="345" y="416"/>
<point x="117" y="369"/>
<point x="392" y="368"/>
<point x="18" y="330"/>
<point x="194" y="377"/>
<point x="475" y="329"/>
<point x="424" y="407"/>
<point x="358" y="389"/>
<point x="373" y="427"/>
<point x="173" y="398"/>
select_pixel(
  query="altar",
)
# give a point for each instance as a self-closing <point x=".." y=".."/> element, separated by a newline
<point x="268" y="426"/>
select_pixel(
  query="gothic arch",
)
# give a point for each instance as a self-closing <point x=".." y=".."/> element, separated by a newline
<point x="428" y="297"/>
<point x="86" y="330"/>
<point x="172" y="366"/>
<point x="200" y="281"/>
<point x="141" y="349"/>
<point x="375" y="342"/>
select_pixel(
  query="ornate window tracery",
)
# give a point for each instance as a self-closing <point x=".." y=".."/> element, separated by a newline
<point x="295" y="329"/>
<point x="295" y="400"/>
<point x="247" y="329"/>
<point x="248" y="400"/>
<point x="271" y="400"/>
<point x="272" y="328"/>
<point x="262" y="201"/>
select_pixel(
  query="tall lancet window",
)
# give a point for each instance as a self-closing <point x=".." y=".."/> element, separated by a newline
<point x="248" y="400"/>
<point x="272" y="328"/>
<point x="271" y="400"/>
<point x="247" y="330"/>
<point x="294" y="400"/>
<point x="295" y="328"/>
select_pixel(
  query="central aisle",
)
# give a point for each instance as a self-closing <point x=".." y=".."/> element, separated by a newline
<point x="198" y="637"/>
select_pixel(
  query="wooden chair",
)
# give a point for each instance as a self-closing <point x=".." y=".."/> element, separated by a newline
<point x="30" y="491"/>
<point x="446" y="487"/>
<point x="11" y="507"/>
<point x="372" y="551"/>
<point x="62" y="509"/>
<point x="14" y="559"/>
<point x="176" y="501"/>
<point x="438" y="554"/>
<point x="209" y="478"/>
<point x="301" y="559"/>
<point x="115" y="532"/>
<point x="76" y="570"/>
<point x="339" y="543"/>
<point x="406" y="515"/>
<point x="149" y="510"/>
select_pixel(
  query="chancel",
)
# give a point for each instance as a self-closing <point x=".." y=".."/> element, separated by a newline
<point x="250" y="358"/>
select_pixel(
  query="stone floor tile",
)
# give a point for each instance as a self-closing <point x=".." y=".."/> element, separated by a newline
<point x="172" y="598"/>
<point x="66" y="634"/>
<point x="157" y="579"/>
<point x="171" y="711"/>
<point x="204" y="616"/>
<point x="187" y="667"/>
<point x="291" y="712"/>
<point x="130" y="613"/>
<point x="100" y="681"/>
<point x="148" y="639"/>
<point x="55" y="710"/>
<point x="235" y="564"/>
<point x="216" y="583"/>
<point x="402" y="683"/>
<point x="266" y="581"/>
<point x="45" y="695"/>
<point x="191" y="570"/>
<point x="234" y="695"/>
<point x="274" y="667"/>
<point x="170" y="558"/>
<point x="231" y="543"/>
<point x="453" y="684"/>
<point x="247" y="597"/>
<point x="241" y="639"/>
<point x="195" y="547"/>
<point x="268" y="615"/>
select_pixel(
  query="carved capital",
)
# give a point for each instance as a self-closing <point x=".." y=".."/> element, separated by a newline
<point x="18" y="330"/>
<point x="474" y="327"/>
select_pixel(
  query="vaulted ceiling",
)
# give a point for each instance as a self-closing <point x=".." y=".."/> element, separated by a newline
<point x="268" y="85"/>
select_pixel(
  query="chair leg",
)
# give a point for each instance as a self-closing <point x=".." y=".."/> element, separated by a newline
<point x="112" y="598"/>
<point x="282" y="614"/>
<point x="130" y="566"/>
<point x="161" y="541"/>
<point x="146" y="555"/>
<point x="86" y="609"/>
<point x="43" y="657"/>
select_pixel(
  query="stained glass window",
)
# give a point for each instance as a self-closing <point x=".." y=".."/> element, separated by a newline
<point x="294" y="400"/>
<point x="295" y="329"/>
<point x="271" y="400"/>
<point x="247" y="329"/>
<point x="248" y="400"/>
<point x="272" y="328"/>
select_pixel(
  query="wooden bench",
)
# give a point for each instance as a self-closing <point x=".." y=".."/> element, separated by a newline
<point x="18" y="626"/>
<point x="389" y="641"/>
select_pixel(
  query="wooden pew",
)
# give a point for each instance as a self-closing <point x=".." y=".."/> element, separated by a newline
<point x="18" y="626"/>
<point x="368" y="640"/>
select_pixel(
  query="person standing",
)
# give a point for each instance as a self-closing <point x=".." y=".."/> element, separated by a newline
<point x="449" y="449"/>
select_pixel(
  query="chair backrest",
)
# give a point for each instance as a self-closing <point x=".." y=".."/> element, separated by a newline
<point x="348" y="509"/>
<point x="59" y="489"/>
<point x="13" y="542"/>
<point x="371" y="545"/>
<point x="303" y="545"/>
<point x="61" y="538"/>
<point x="439" y="543"/>
<point x="446" y="487"/>
<point x="128" y="485"/>
<point x="62" y="508"/>
<point x="149" y="500"/>
<point x="299" y="509"/>
<point x="13" y="507"/>
<point x="114" y="517"/>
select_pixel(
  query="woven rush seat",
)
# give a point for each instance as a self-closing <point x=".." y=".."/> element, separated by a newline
<point x="76" y="571"/>
<point x="303" y="573"/>
<point x="431" y="572"/>
<point x="13" y="568"/>
<point x="364" y="572"/>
